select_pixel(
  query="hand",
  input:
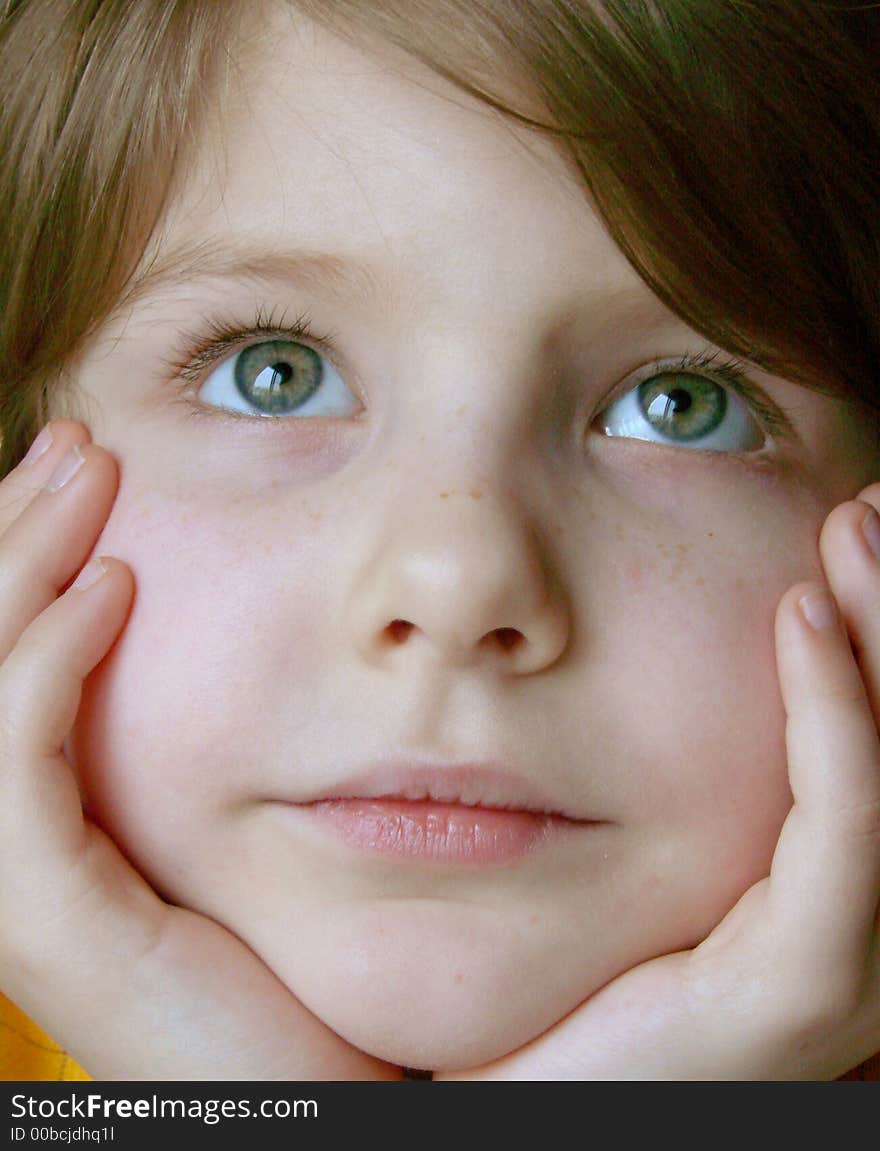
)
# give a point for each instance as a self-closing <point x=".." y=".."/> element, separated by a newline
<point x="133" y="988"/>
<point x="788" y="985"/>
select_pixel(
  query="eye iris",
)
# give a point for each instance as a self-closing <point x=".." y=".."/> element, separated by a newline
<point x="686" y="412"/>
<point x="278" y="376"/>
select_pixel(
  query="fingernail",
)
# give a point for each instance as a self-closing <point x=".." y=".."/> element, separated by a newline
<point x="90" y="574"/>
<point x="819" y="611"/>
<point x="38" y="448"/>
<point x="871" y="532"/>
<point x="66" y="470"/>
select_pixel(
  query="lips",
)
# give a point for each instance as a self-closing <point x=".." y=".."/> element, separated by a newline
<point x="461" y="814"/>
<point x="464" y="784"/>
<point x="438" y="832"/>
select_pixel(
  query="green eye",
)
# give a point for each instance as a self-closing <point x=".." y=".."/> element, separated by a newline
<point x="278" y="378"/>
<point x="683" y="408"/>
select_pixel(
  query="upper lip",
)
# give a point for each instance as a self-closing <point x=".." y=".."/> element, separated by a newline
<point x="488" y="785"/>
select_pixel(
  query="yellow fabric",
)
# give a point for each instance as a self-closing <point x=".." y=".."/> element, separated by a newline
<point x="27" y="1053"/>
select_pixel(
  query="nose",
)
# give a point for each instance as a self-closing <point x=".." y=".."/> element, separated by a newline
<point x="460" y="577"/>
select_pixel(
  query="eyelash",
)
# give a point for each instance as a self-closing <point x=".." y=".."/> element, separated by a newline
<point x="189" y="362"/>
<point x="726" y="370"/>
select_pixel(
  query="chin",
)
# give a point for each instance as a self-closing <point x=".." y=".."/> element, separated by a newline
<point x="435" y="987"/>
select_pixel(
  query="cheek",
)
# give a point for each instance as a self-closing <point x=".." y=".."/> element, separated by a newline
<point x="221" y="638"/>
<point x="704" y="728"/>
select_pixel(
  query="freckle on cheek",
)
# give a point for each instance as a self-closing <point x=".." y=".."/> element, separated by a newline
<point x="681" y="560"/>
<point x="634" y="572"/>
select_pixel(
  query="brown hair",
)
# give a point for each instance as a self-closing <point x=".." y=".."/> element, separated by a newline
<point x="733" y="151"/>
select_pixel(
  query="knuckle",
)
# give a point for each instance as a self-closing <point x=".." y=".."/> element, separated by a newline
<point x="848" y="698"/>
<point x="15" y="499"/>
<point x="838" y="703"/>
<point x="833" y="1003"/>
<point x="15" y="944"/>
<point x="860" y="820"/>
<point x="8" y="738"/>
<point x="17" y="684"/>
<point x="845" y="688"/>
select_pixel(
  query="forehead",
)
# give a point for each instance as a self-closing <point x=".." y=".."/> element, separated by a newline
<point x="368" y="156"/>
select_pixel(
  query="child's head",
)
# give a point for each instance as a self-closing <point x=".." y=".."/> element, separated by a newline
<point x="454" y="544"/>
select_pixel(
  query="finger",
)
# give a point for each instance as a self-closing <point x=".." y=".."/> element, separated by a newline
<point x="825" y="874"/>
<point x="40" y="691"/>
<point x="25" y="481"/>
<point x="46" y="544"/>
<point x="870" y="495"/>
<point x="852" y="568"/>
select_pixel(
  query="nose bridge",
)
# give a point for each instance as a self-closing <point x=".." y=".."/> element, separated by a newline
<point x="459" y="403"/>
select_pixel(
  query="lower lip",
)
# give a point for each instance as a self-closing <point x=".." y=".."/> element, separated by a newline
<point x="425" y="831"/>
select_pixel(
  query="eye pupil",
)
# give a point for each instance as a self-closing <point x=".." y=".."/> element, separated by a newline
<point x="679" y="399"/>
<point x="274" y="377"/>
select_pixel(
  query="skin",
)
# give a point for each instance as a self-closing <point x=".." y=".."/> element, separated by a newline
<point x="470" y="488"/>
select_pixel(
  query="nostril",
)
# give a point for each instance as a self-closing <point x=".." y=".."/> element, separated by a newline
<point x="398" y="630"/>
<point x="507" y="637"/>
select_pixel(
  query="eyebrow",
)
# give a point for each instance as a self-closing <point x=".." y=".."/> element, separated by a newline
<point x="259" y="262"/>
<point x="318" y="272"/>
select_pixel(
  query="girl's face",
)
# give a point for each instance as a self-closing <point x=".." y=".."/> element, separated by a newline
<point x="460" y="563"/>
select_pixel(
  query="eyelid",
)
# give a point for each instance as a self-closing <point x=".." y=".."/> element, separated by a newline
<point x="728" y="372"/>
<point x="221" y="337"/>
